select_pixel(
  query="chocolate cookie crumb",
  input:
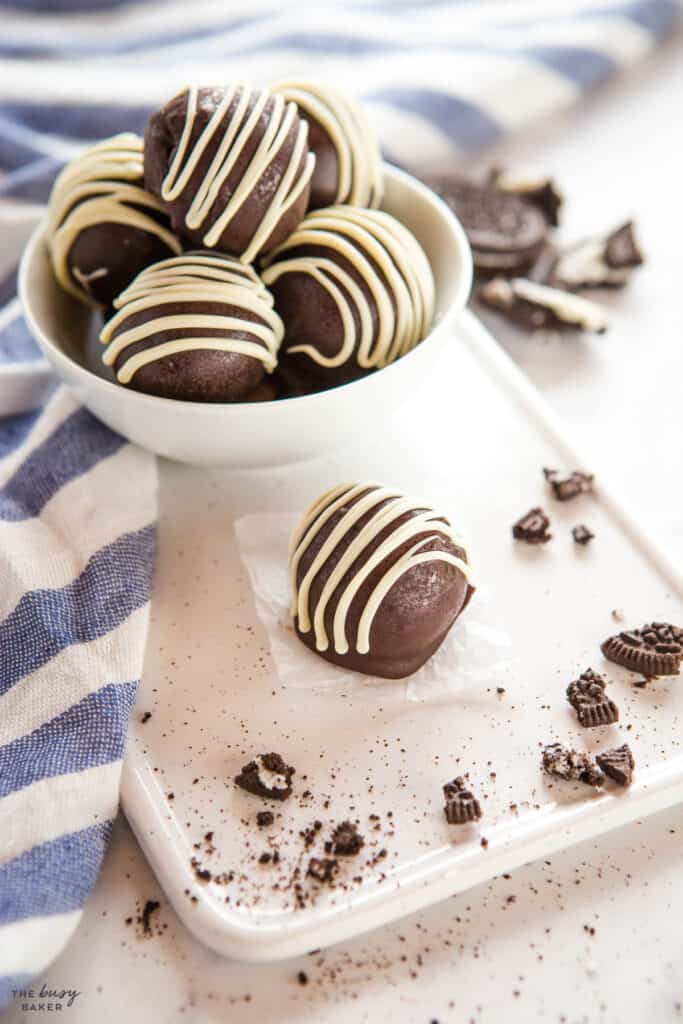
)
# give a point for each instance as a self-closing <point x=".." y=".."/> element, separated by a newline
<point x="265" y="858"/>
<point x="267" y="776"/>
<point x="309" y="834"/>
<point x="581" y="534"/>
<point x="588" y="698"/>
<point x="618" y="764"/>
<point x="146" y="717"/>
<point x="533" y="527"/>
<point x="323" y="869"/>
<point x="461" y="805"/>
<point x="568" y="487"/>
<point x="346" y="840"/>
<point x="265" y="818"/>
<point x="656" y="649"/>
<point x="570" y="765"/>
<point x="302" y="978"/>
<point x="500" y="689"/>
<point x="150" y="908"/>
<point x="622" y="249"/>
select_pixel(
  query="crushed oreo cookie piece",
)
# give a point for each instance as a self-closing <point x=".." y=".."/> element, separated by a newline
<point x="267" y="776"/>
<point x="461" y="806"/>
<point x="535" y="187"/>
<point x="150" y="908"/>
<point x="347" y="840"/>
<point x="588" y="698"/>
<point x="264" y="819"/>
<point x="565" y="488"/>
<point x="505" y="231"/>
<point x="570" y="765"/>
<point x="656" y="649"/>
<point x="322" y="869"/>
<point x="582" y="535"/>
<point x="533" y="527"/>
<point x="622" y="249"/>
<point x="144" y="718"/>
<point x="618" y="764"/>
<point x="537" y="307"/>
<point x="591" y="263"/>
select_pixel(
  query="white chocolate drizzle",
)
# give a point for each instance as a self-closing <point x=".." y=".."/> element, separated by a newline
<point x="391" y="263"/>
<point x="102" y="186"/>
<point x="195" y="279"/>
<point x="229" y="141"/>
<point x="360" y="180"/>
<point x="383" y="507"/>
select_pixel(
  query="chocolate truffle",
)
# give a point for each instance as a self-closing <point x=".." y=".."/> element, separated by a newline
<point x="198" y="327"/>
<point x="348" y="164"/>
<point x="355" y="291"/>
<point x="378" y="579"/>
<point x="231" y="166"/>
<point x="103" y="226"/>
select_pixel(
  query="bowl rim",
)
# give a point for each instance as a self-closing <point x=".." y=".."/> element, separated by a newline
<point x="55" y="355"/>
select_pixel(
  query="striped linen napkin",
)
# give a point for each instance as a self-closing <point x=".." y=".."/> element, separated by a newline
<point x="77" y="534"/>
<point x="77" y="504"/>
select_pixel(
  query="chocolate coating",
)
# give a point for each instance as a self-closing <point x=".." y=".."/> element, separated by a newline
<point x="198" y="328"/>
<point x="417" y="610"/>
<point x="325" y="183"/>
<point x="348" y="166"/>
<point x="311" y="316"/>
<point x="251" y="167"/>
<point x="103" y="226"/>
<point x="355" y="291"/>
<point x="122" y="250"/>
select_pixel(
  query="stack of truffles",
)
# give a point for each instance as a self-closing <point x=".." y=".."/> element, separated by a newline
<point x="238" y="251"/>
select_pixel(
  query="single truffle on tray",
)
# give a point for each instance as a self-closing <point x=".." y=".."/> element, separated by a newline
<point x="355" y="291"/>
<point x="231" y="166"/>
<point x="378" y="579"/>
<point x="348" y="163"/>
<point x="199" y="327"/>
<point x="103" y="226"/>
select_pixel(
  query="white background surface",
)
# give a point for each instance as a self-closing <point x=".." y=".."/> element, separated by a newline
<point x="517" y="950"/>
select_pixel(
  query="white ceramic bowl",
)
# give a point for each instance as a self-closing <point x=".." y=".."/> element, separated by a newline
<point x="256" y="433"/>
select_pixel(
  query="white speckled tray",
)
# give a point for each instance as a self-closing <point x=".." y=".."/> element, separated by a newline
<point x="481" y="434"/>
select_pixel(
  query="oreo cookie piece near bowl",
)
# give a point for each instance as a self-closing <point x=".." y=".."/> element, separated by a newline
<point x="103" y="227"/>
<point x="355" y="291"/>
<point x="348" y="163"/>
<point x="377" y="578"/>
<point x="231" y="166"/>
<point x="250" y="434"/>
<point x="506" y="231"/>
<point x="198" y="327"/>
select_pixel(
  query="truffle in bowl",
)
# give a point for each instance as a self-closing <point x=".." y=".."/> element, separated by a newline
<point x="255" y="433"/>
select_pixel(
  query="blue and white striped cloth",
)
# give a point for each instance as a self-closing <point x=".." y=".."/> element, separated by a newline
<point x="77" y="535"/>
<point x="77" y="504"/>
